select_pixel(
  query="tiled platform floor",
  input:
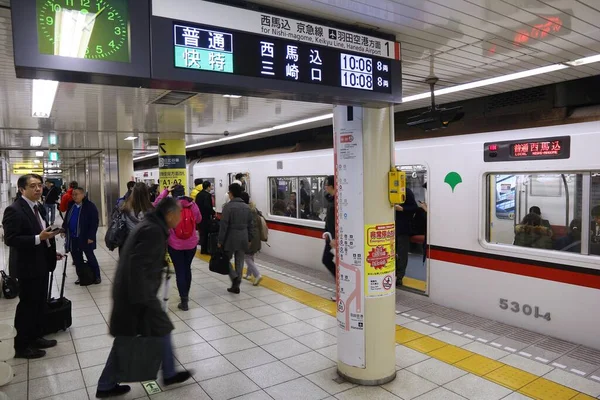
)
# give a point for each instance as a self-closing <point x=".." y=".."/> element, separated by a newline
<point x="253" y="346"/>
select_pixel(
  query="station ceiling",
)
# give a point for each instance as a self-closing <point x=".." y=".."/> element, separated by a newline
<point x="460" y="41"/>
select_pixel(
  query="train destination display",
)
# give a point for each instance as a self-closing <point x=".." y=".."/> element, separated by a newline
<point x="528" y="149"/>
<point x="206" y="48"/>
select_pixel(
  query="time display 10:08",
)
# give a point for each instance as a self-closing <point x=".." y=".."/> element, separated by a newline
<point x="364" y="73"/>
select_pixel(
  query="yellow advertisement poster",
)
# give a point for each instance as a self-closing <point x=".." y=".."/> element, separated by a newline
<point x="380" y="260"/>
<point x="171" y="163"/>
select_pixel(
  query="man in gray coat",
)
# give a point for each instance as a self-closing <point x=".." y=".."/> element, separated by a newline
<point x="236" y="233"/>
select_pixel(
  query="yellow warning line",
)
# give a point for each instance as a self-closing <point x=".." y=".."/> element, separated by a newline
<point x="513" y="378"/>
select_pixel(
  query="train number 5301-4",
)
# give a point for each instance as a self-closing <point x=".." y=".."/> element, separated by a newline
<point x="525" y="309"/>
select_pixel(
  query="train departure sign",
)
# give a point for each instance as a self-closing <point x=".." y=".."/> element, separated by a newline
<point x="204" y="46"/>
<point x="528" y="149"/>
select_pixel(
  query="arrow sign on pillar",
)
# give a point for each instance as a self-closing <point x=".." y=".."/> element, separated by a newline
<point x="162" y="148"/>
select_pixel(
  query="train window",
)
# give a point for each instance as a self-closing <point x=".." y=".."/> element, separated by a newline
<point x="244" y="177"/>
<point x="535" y="210"/>
<point x="594" y="246"/>
<point x="298" y="197"/>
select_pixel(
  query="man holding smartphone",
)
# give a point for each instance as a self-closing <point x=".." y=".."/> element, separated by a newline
<point x="32" y="256"/>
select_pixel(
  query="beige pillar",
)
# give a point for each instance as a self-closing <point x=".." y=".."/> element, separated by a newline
<point x="366" y="245"/>
<point x="125" y="163"/>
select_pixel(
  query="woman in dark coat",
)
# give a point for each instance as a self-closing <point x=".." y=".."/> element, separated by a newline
<point x="137" y="310"/>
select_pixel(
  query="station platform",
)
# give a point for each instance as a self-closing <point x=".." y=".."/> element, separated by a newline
<point x="278" y="341"/>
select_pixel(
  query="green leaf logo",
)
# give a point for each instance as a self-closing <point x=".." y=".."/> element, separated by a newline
<point x="453" y="179"/>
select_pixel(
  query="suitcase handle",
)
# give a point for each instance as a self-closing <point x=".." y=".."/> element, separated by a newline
<point x="64" y="278"/>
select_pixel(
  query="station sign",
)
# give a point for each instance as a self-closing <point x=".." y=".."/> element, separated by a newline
<point x="202" y="46"/>
<point x="528" y="149"/>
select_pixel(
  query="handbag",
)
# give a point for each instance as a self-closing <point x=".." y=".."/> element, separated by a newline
<point x="138" y="357"/>
<point x="10" y="286"/>
<point x="219" y="262"/>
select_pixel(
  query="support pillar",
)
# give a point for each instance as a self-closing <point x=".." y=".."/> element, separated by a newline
<point x="172" y="169"/>
<point x="365" y="255"/>
<point x="125" y="167"/>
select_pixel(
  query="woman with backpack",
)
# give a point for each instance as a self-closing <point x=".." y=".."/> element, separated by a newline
<point x="254" y="246"/>
<point x="183" y="241"/>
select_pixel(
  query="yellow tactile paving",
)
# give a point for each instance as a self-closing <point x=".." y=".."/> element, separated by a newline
<point x="511" y="377"/>
<point x="492" y="370"/>
<point x="479" y="365"/>
<point x="451" y="354"/>
<point x="406" y="335"/>
<point x="544" y="389"/>
<point x="426" y="344"/>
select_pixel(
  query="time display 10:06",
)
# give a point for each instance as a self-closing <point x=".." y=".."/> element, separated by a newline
<point x="356" y="71"/>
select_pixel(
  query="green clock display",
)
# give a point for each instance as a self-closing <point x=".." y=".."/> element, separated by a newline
<point x="92" y="29"/>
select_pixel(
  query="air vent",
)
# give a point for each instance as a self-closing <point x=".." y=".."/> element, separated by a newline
<point x="173" y="98"/>
<point x="520" y="100"/>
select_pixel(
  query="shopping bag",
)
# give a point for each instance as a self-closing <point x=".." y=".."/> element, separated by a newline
<point x="219" y="263"/>
<point x="138" y="357"/>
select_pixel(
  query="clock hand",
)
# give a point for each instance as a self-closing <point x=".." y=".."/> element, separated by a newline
<point x="94" y="19"/>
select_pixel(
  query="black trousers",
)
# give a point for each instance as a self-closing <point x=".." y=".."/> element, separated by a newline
<point x="328" y="259"/>
<point x="29" y="317"/>
<point x="402" y="247"/>
<point x="203" y="233"/>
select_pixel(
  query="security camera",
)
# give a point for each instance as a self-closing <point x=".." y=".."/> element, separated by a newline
<point x="226" y="133"/>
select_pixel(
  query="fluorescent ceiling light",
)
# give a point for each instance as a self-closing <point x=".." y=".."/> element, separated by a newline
<point x="36" y="141"/>
<point x="232" y="96"/>
<point x="265" y="130"/>
<point x="487" y="82"/>
<point x="130" y="138"/>
<point x="39" y="153"/>
<point x="583" y="61"/>
<point x="42" y="97"/>
<point x="144" y="157"/>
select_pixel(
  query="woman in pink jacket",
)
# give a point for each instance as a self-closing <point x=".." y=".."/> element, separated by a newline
<point x="183" y="241"/>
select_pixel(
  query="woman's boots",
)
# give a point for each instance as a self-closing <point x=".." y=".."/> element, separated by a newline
<point x="183" y="306"/>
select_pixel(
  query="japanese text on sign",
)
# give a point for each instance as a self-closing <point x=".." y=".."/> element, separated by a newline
<point x="380" y="262"/>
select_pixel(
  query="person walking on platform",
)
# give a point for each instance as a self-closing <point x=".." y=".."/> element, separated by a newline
<point x="235" y="234"/>
<point x="136" y="206"/>
<point x="32" y="257"/>
<point x="50" y="201"/>
<point x="136" y="308"/>
<point x="67" y="197"/>
<point x="123" y="199"/>
<point x="404" y="216"/>
<point x="205" y="204"/>
<point x="197" y="188"/>
<point x="80" y="227"/>
<point x="255" y="243"/>
<point x="183" y="241"/>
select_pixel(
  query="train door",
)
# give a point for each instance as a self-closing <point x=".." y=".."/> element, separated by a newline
<point x="245" y="180"/>
<point x="417" y="270"/>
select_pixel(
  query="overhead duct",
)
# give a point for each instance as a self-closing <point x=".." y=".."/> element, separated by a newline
<point x="173" y="98"/>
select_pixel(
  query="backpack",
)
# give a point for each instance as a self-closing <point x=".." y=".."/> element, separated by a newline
<point x="187" y="226"/>
<point x="264" y="229"/>
<point x="117" y="231"/>
<point x="10" y="286"/>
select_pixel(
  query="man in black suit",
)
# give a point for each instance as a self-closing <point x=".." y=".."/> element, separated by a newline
<point x="32" y="256"/>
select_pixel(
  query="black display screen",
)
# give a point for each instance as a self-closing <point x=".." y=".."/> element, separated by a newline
<point x="529" y="149"/>
<point x="206" y="48"/>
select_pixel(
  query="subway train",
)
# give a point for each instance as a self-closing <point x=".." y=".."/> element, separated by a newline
<point x="486" y="253"/>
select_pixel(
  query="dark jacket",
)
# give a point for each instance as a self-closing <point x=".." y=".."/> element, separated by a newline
<point x="26" y="260"/>
<point x="136" y="308"/>
<point x="236" y="226"/>
<point x="404" y="219"/>
<point x="538" y="237"/>
<point x="255" y="243"/>
<point x="204" y="203"/>
<point x="569" y="243"/>
<point x="52" y="195"/>
<point x="330" y="216"/>
<point x="87" y="225"/>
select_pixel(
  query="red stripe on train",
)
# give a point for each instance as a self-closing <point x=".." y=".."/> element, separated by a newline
<point x="296" y="230"/>
<point x="516" y="268"/>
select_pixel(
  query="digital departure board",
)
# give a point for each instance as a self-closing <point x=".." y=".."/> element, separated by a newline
<point x="529" y="149"/>
<point x="206" y="48"/>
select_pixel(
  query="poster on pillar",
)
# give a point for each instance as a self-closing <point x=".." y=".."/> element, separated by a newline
<point x="171" y="163"/>
<point x="380" y="266"/>
<point x="348" y="142"/>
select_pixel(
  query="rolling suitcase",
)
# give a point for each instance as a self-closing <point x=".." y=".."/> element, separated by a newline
<point x="58" y="311"/>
